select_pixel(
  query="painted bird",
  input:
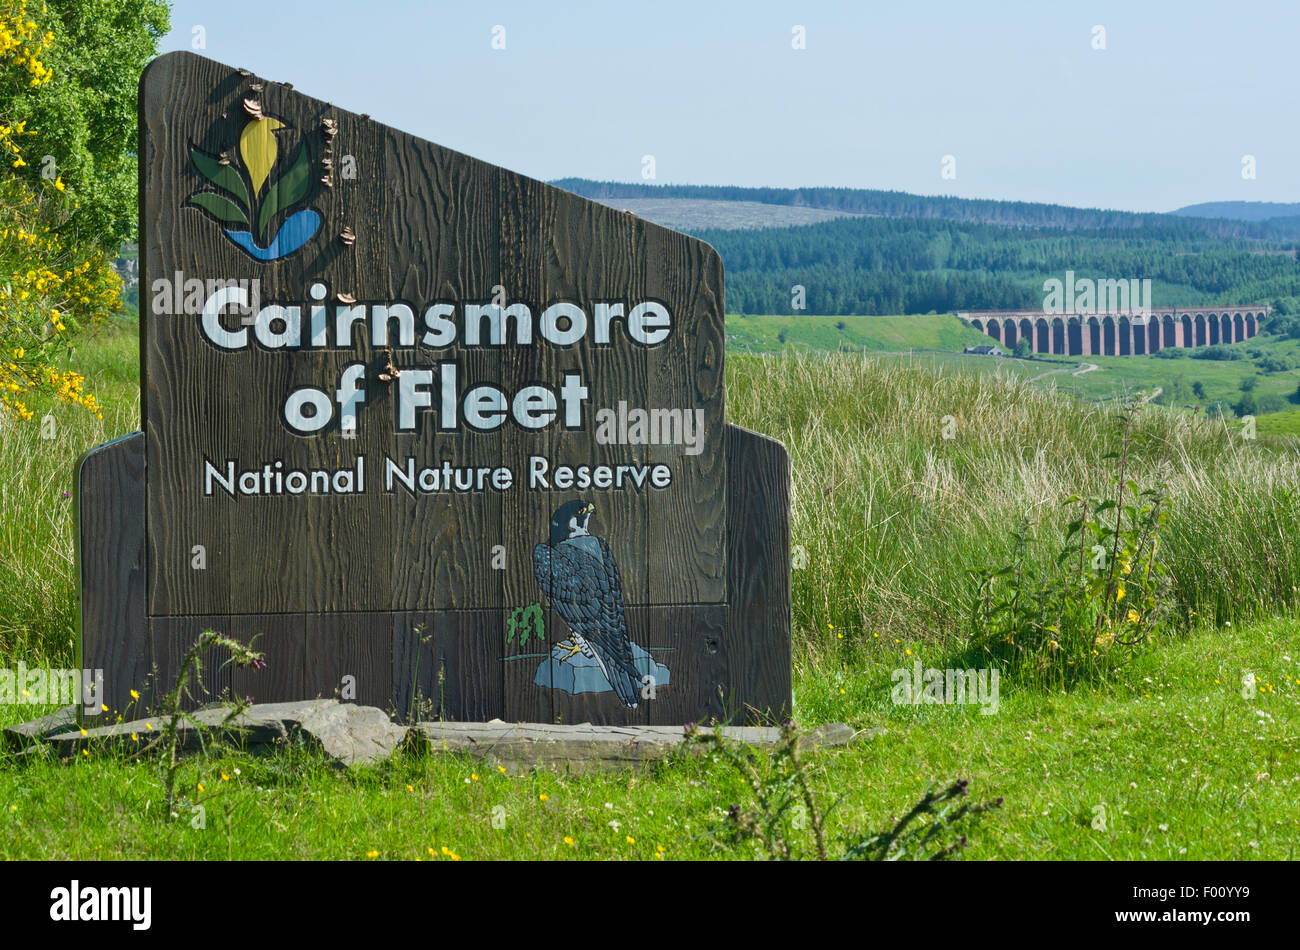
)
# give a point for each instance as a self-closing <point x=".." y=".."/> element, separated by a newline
<point x="576" y="570"/>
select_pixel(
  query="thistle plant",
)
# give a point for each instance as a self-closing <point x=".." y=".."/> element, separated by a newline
<point x="784" y="820"/>
<point x="933" y="840"/>
<point x="178" y="722"/>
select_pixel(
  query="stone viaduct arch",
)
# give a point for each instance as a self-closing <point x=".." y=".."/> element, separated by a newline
<point x="1109" y="334"/>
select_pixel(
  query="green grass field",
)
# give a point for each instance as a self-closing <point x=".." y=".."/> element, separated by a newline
<point x="1185" y="382"/>
<point x="1280" y="423"/>
<point x="763" y="334"/>
<point x="1173" y="755"/>
<point x="1178" y="762"/>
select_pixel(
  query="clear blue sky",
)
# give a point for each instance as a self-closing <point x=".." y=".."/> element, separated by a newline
<point x="1014" y="91"/>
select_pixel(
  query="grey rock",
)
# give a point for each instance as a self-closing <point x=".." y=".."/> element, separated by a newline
<point x="15" y="737"/>
<point x="588" y="748"/>
<point x="72" y="741"/>
<point x="354" y="735"/>
<point x="363" y="735"/>
<point x="267" y="722"/>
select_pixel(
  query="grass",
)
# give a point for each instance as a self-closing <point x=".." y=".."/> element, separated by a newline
<point x="1182" y="764"/>
<point x="37" y="552"/>
<point x="1279" y="423"/>
<point x="775" y="334"/>
<point x="1220" y="380"/>
<point x="888" y="516"/>
<point x="939" y="340"/>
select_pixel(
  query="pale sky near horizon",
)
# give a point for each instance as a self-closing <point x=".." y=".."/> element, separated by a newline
<point x="1014" y="91"/>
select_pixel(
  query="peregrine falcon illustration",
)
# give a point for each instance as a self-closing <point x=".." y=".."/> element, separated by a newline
<point x="576" y="571"/>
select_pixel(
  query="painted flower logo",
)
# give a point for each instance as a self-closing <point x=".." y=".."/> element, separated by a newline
<point x="249" y="202"/>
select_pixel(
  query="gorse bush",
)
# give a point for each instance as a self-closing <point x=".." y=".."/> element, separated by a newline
<point x="68" y="76"/>
<point x="80" y="121"/>
<point x="50" y="290"/>
<point x="54" y="278"/>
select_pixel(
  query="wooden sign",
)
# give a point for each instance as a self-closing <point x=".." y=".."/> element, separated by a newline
<point x="433" y="435"/>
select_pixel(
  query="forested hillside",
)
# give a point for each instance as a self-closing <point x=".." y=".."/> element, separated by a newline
<point x="901" y="253"/>
<point x="1242" y="210"/>
<point x="893" y="265"/>
<point x="900" y="204"/>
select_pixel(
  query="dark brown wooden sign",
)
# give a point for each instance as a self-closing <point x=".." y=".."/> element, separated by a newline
<point x="440" y="437"/>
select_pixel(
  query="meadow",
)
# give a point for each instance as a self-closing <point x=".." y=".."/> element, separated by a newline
<point x="1268" y="366"/>
<point x="907" y="476"/>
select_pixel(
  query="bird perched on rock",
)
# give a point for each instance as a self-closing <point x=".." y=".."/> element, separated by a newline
<point x="576" y="570"/>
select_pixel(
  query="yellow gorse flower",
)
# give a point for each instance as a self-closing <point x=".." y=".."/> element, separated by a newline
<point x="48" y="286"/>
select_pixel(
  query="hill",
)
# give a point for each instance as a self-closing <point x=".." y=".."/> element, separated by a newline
<point x="880" y="265"/>
<point x="900" y="204"/>
<point x="858" y="251"/>
<point x="694" y="214"/>
<point x="1241" y="210"/>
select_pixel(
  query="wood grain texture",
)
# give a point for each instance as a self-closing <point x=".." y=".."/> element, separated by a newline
<point x="757" y="640"/>
<point x="281" y="639"/>
<point x="181" y="406"/>
<point x="335" y="542"/>
<point x="444" y="233"/>
<point x="430" y="226"/>
<point x="447" y="666"/>
<point x="688" y="372"/>
<point x="525" y="514"/>
<point x="349" y="656"/>
<point x="109" y="505"/>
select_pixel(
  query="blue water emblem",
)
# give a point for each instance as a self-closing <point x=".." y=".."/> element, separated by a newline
<point x="296" y="231"/>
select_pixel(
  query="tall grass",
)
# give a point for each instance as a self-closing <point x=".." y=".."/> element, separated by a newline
<point x="38" y="605"/>
<point x="890" y="515"/>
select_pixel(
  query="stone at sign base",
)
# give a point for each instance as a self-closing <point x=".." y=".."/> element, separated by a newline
<point x="588" y="748"/>
<point x="23" y="733"/>
<point x="347" y="733"/>
<point x="364" y="735"/>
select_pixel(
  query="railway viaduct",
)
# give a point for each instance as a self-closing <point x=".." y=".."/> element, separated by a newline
<point x="1119" y="334"/>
